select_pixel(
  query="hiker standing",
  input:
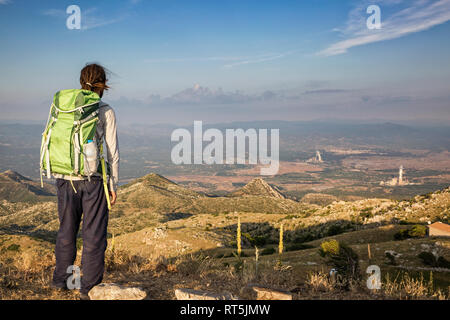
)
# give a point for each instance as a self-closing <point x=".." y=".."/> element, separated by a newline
<point x="72" y="152"/>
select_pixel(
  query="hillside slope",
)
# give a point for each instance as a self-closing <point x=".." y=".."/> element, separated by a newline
<point x="258" y="187"/>
<point x="158" y="193"/>
<point x="16" y="188"/>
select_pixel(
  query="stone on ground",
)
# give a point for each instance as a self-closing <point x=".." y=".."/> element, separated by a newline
<point x="270" y="294"/>
<point x="190" y="294"/>
<point x="112" y="291"/>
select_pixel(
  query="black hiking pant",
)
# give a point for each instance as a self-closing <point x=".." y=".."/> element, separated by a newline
<point x="88" y="203"/>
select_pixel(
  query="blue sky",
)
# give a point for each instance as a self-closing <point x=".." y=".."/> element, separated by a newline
<point x="176" y="61"/>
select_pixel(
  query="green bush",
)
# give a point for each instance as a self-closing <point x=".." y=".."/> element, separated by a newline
<point x="401" y="234"/>
<point x="258" y="241"/>
<point x="334" y="230"/>
<point x="247" y="236"/>
<point x="344" y="260"/>
<point x="391" y="259"/>
<point x="13" y="247"/>
<point x="268" y="251"/>
<point x="428" y="258"/>
<point x="443" y="263"/>
<point x="298" y="246"/>
<point x="306" y="237"/>
<point x="330" y="247"/>
<point x="233" y="254"/>
<point x="417" y="231"/>
<point x="366" y="213"/>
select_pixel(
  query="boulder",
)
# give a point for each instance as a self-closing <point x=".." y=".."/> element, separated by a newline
<point x="271" y="294"/>
<point x="190" y="294"/>
<point x="112" y="291"/>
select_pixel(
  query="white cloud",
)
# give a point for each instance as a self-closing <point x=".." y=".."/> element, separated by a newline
<point x="91" y="20"/>
<point x="260" y="59"/>
<point x="418" y="16"/>
<point x="230" y="61"/>
<point x="5" y="1"/>
<point x="57" y="13"/>
<point x="164" y="60"/>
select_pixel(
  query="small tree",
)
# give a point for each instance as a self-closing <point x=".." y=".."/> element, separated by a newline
<point x="238" y="237"/>
<point x="280" y="245"/>
<point x="418" y="231"/>
<point x="342" y="258"/>
<point x="256" y="261"/>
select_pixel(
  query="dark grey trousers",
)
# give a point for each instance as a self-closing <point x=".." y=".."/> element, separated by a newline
<point x="88" y="203"/>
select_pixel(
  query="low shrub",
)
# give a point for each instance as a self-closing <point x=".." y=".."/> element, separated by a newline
<point x="268" y="251"/>
<point x="234" y="254"/>
<point x="305" y="237"/>
<point x="344" y="260"/>
<point x="366" y="213"/>
<point x="417" y="231"/>
<point x="258" y="241"/>
<point x="335" y="229"/>
<point x="391" y="259"/>
<point x="298" y="246"/>
<point x="401" y="234"/>
<point x="13" y="247"/>
<point x="443" y="263"/>
<point x="330" y="247"/>
<point x="428" y="258"/>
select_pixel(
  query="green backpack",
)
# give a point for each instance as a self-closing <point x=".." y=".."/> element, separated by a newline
<point x="69" y="145"/>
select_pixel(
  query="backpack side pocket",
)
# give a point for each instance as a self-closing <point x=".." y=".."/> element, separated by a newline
<point x="90" y="152"/>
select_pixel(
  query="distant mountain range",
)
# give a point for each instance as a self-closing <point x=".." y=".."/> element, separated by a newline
<point x="141" y="144"/>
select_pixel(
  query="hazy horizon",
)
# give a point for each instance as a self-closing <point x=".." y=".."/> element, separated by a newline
<point x="437" y="123"/>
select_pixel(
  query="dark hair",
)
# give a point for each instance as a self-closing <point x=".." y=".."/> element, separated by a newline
<point x="93" y="78"/>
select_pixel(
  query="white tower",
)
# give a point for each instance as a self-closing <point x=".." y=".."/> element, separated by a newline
<point x="318" y="156"/>
<point x="400" y="175"/>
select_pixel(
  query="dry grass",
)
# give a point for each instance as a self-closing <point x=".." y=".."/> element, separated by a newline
<point x="319" y="281"/>
<point x="29" y="277"/>
<point x="406" y="287"/>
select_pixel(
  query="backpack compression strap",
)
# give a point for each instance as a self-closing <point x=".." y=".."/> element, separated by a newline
<point x="105" y="183"/>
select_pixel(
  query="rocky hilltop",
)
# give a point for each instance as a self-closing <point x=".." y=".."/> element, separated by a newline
<point x="156" y="193"/>
<point x="258" y="187"/>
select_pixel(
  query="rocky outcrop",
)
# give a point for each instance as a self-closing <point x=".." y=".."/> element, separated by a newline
<point x="190" y="294"/>
<point x="258" y="187"/>
<point x="112" y="291"/>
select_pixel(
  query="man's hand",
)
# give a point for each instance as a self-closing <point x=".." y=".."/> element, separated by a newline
<point x="112" y="197"/>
